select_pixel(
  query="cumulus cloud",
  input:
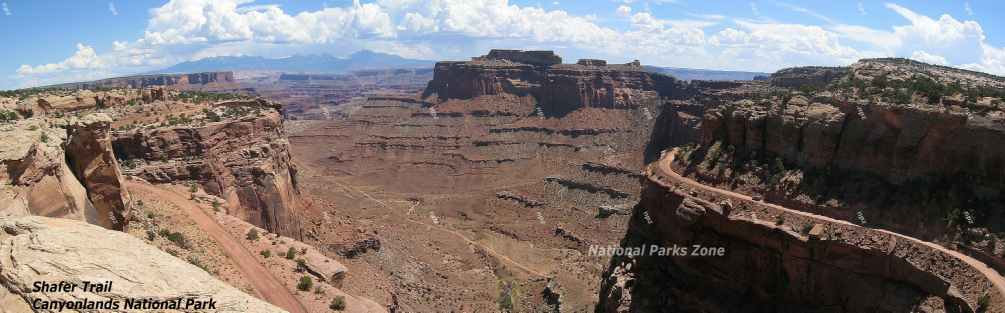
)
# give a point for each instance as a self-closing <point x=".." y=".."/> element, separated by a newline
<point x="624" y="10"/>
<point x="928" y="57"/>
<point x="182" y="30"/>
<point x="84" y="58"/>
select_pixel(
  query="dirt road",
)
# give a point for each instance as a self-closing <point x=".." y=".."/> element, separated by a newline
<point x="664" y="170"/>
<point x="266" y="286"/>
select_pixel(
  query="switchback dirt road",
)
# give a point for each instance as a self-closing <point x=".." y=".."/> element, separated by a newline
<point x="266" y="286"/>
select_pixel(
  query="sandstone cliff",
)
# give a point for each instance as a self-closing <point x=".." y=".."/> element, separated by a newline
<point x="67" y="171"/>
<point x="244" y="159"/>
<point x="36" y="249"/>
<point x="560" y="88"/>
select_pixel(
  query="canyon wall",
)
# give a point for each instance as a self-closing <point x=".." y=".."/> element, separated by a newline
<point x="896" y="142"/>
<point x="560" y="88"/>
<point x="244" y="160"/>
<point x="775" y="261"/>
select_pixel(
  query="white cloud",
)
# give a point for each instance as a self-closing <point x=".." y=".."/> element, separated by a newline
<point x="111" y="8"/>
<point x="861" y="9"/>
<point x="84" y="58"/>
<point x="183" y="30"/>
<point x="6" y="10"/>
<point x="624" y="10"/>
<point x="966" y="7"/>
<point x="928" y="58"/>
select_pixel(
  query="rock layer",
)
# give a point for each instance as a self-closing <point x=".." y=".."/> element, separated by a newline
<point x="245" y="161"/>
<point x="560" y="88"/>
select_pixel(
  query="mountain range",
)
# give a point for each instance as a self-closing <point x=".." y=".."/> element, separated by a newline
<point x="314" y="63"/>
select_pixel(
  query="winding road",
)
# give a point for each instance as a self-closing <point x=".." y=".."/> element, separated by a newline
<point x="663" y="170"/>
<point x="267" y="287"/>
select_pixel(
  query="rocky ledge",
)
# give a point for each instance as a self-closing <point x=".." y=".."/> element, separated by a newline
<point x="38" y="249"/>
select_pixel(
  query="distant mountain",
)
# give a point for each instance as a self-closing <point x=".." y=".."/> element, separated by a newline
<point x="323" y="63"/>
<point x="700" y="74"/>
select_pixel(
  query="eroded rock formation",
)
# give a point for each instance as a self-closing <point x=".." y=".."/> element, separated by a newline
<point x="244" y="160"/>
<point x="65" y="172"/>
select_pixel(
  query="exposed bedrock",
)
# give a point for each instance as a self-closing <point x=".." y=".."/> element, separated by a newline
<point x="769" y="266"/>
<point x="245" y="161"/>
<point x="67" y="171"/>
<point x="38" y="249"/>
<point x="89" y="154"/>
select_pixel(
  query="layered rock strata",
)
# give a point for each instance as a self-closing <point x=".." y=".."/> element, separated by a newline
<point x="560" y="88"/>
<point x="244" y="160"/>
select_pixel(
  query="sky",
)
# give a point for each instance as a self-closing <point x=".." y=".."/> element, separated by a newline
<point x="60" y="41"/>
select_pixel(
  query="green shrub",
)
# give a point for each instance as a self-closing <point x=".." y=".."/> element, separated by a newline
<point x="252" y="234"/>
<point x="305" y="284"/>
<point x="291" y="253"/>
<point x="338" y="303"/>
<point x="44" y="138"/>
<point x="179" y="239"/>
<point x="266" y="253"/>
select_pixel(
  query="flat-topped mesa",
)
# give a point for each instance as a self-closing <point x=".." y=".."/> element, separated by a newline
<point x="559" y="88"/>
<point x="540" y="58"/>
<point x="141" y="81"/>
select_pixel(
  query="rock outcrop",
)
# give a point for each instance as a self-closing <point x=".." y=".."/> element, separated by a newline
<point x="244" y="160"/>
<point x="89" y="154"/>
<point x="560" y="88"/>
<point x="65" y="172"/>
<point x="38" y="249"/>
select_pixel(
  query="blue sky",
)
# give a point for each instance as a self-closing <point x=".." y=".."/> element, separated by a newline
<point x="52" y="42"/>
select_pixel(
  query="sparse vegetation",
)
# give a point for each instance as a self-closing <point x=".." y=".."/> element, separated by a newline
<point x="266" y="253"/>
<point x="252" y="234"/>
<point x="291" y="253"/>
<point x="44" y="138"/>
<point x="305" y="284"/>
<point x="177" y="238"/>
<point x="338" y="303"/>
<point x="7" y="116"/>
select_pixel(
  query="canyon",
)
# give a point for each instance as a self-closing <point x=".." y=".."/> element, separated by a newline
<point x="491" y="184"/>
